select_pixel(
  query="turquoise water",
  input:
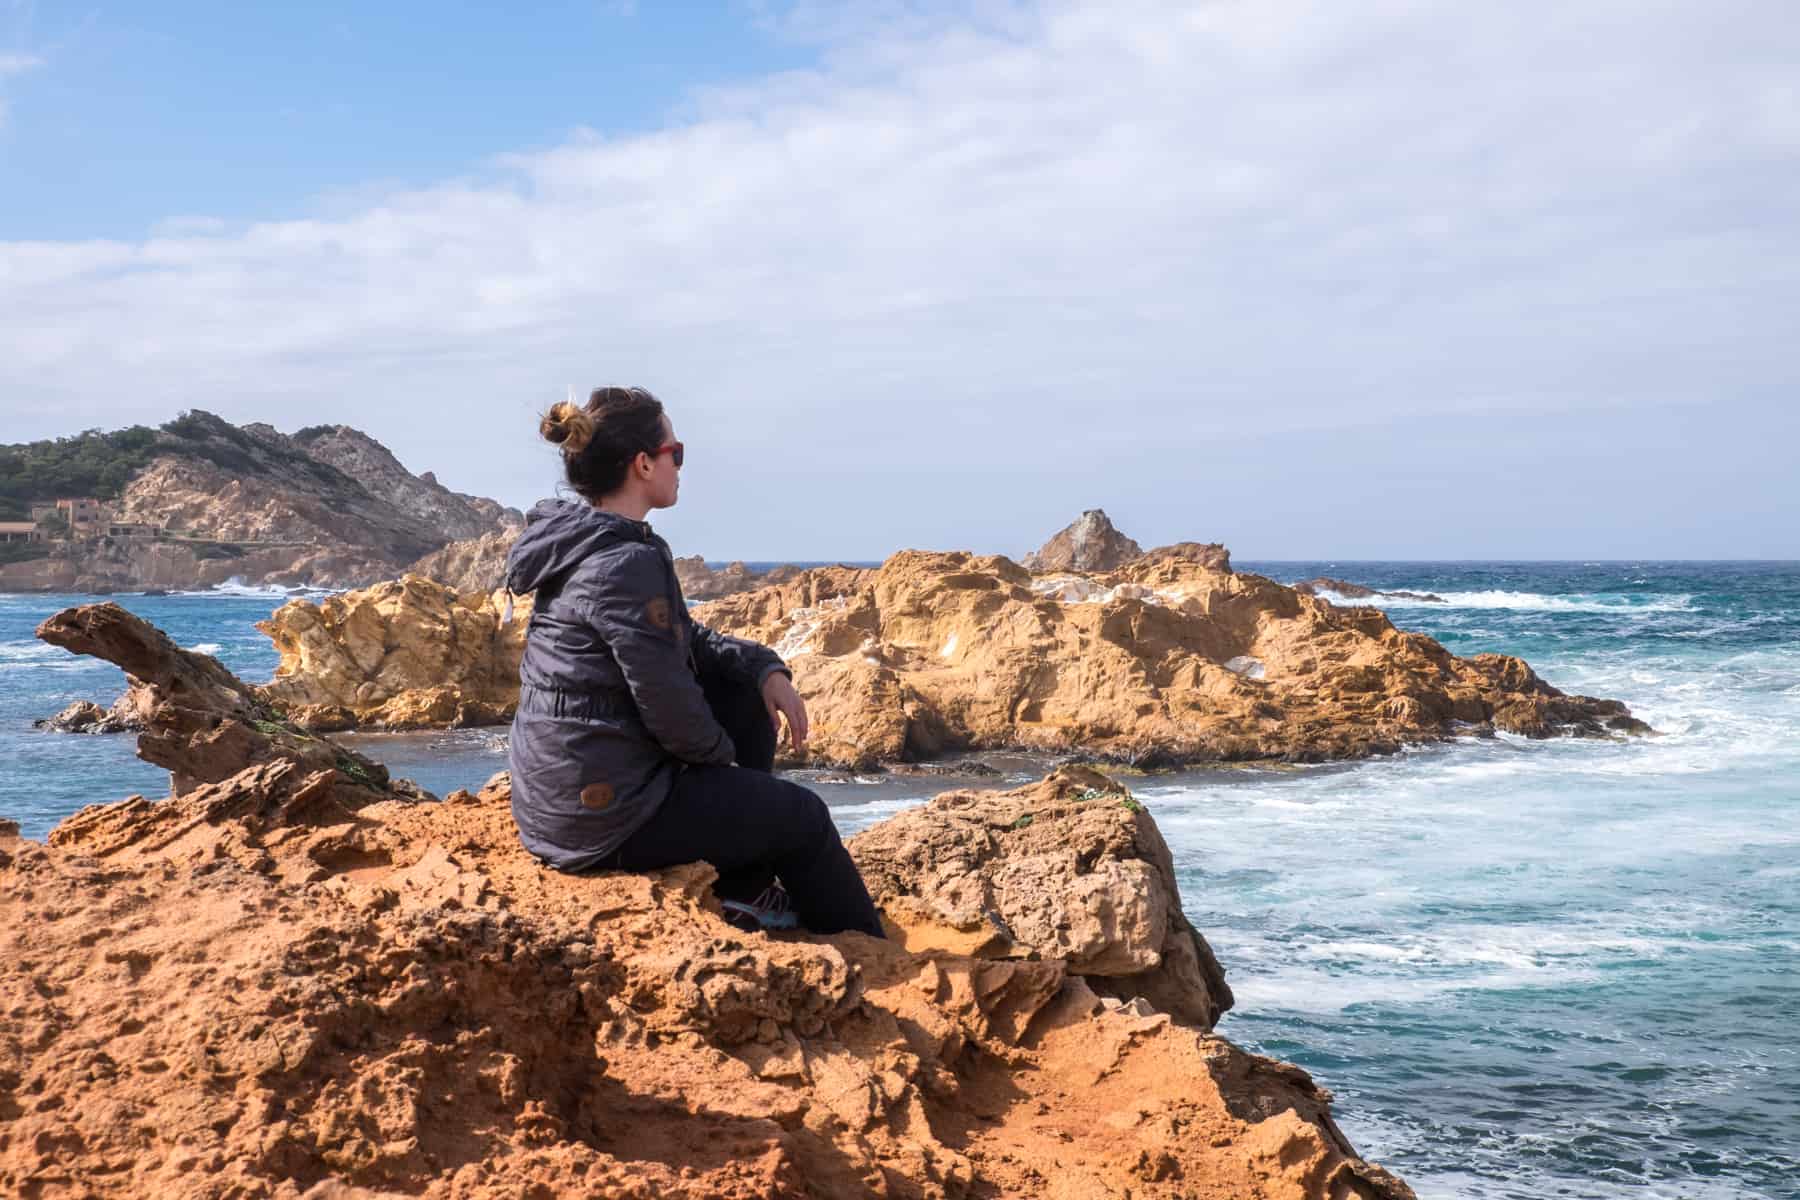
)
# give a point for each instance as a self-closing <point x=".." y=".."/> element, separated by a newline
<point x="1526" y="969"/>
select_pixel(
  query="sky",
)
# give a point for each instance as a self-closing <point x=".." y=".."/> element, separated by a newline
<point x="1393" y="279"/>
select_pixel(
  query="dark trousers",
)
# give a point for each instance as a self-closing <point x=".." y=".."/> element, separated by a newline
<point x="754" y="827"/>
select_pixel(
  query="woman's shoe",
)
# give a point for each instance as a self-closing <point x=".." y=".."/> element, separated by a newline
<point x="774" y="909"/>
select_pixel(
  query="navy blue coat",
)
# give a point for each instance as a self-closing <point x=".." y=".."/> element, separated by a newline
<point x="610" y="703"/>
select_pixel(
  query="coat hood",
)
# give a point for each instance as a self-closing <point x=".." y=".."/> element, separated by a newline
<point x="558" y="535"/>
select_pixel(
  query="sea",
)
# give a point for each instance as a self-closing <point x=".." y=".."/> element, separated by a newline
<point x="1525" y="969"/>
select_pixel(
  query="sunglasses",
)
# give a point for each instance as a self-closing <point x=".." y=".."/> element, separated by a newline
<point x="673" y="448"/>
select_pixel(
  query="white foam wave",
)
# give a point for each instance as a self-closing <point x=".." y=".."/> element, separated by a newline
<point x="206" y="648"/>
<point x="35" y="656"/>
<point x="32" y="651"/>
<point x="237" y="587"/>
<point x="1526" y="602"/>
<point x="1328" y="989"/>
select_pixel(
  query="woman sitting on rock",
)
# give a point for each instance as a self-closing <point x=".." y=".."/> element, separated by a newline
<point x="644" y="739"/>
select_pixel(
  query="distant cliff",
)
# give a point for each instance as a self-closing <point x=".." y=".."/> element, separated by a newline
<point x="326" y="506"/>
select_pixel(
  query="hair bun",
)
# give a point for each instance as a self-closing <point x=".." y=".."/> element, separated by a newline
<point x="567" y="426"/>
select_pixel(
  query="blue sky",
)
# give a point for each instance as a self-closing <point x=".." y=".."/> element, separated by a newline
<point x="1397" y="279"/>
<point x="139" y="113"/>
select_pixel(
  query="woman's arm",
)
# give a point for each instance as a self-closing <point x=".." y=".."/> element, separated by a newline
<point x="629" y="605"/>
<point x="720" y="654"/>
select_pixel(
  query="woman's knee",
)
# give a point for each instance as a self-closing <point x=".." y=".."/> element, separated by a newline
<point x="806" y="811"/>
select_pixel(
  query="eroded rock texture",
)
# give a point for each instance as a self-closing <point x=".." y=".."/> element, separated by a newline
<point x="240" y="992"/>
<point x="206" y="727"/>
<point x="472" y="565"/>
<point x="1172" y="658"/>
<point x="1070" y="868"/>
<point x="407" y="654"/>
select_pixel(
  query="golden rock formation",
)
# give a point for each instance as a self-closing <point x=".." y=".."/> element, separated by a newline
<point x="407" y="654"/>
<point x="1173" y="658"/>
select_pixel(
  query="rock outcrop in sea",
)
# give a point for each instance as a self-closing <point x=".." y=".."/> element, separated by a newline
<point x="406" y="654"/>
<point x="298" y="977"/>
<point x="1172" y="658"/>
<point x="1091" y="543"/>
<point x="126" y="714"/>
<point x="701" y="582"/>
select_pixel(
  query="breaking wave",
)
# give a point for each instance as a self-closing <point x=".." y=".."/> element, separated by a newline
<point x="237" y="587"/>
<point x="1527" y="602"/>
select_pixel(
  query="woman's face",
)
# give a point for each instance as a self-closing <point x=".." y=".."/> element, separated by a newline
<point x="665" y="476"/>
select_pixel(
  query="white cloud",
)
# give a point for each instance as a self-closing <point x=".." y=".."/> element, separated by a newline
<point x="1012" y="253"/>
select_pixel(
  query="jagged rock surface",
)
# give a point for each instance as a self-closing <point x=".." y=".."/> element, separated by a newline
<point x="475" y="565"/>
<point x="1071" y="868"/>
<point x="454" y="515"/>
<point x="701" y="582"/>
<point x="407" y="654"/>
<point x="205" y="726"/>
<point x="126" y="715"/>
<point x="1089" y="544"/>
<point x="276" y="983"/>
<point x="1171" y="659"/>
<point x="1167" y="660"/>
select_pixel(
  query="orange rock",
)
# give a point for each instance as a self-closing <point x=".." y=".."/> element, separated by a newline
<point x="286" y="983"/>
<point x="1172" y="658"/>
<point x="1070" y="868"/>
<point x="407" y="654"/>
<point x="472" y="565"/>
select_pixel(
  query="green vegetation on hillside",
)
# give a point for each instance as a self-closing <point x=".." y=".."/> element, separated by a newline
<point x="88" y="464"/>
<point x="101" y="465"/>
<point x="224" y="444"/>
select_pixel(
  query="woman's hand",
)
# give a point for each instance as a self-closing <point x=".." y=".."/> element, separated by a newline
<point x="783" y="701"/>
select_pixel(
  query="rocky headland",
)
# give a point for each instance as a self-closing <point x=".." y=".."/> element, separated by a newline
<point x="297" y="976"/>
<point x="1172" y="658"/>
<point x="326" y="506"/>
